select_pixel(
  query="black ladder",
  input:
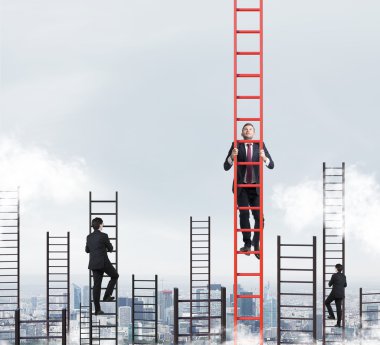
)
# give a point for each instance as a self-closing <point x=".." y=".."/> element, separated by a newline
<point x="200" y="272"/>
<point x="144" y="310"/>
<point x="333" y="242"/>
<point x="296" y="280"/>
<point x="9" y="261"/>
<point x="104" y="328"/>
<point x="84" y="325"/>
<point x="57" y="280"/>
<point x="369" y="304"/>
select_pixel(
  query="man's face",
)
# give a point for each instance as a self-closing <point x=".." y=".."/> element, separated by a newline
<point x="248" y="132"/>
<point x="101" y="227"/>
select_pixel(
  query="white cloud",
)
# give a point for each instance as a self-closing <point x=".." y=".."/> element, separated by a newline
<point x="39" y="173"/>
<point x="302" y="206"/>
<point x="301" y="203"/>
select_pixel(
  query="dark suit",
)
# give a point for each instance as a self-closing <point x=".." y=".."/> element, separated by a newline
<point x="339" y="283"/>
<point x="98" y="244"/>
<point x="248" y="196"/>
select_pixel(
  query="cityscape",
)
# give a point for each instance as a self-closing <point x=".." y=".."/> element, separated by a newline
<point x="33" y="308"/>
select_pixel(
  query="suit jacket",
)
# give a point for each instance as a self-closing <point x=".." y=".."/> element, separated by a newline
<point x="338" y="282"/>
<point x="97" y="245"/>
<point x="242" y="157"/>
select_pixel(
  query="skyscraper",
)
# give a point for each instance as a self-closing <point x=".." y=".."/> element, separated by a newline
<point x="85" y="295"/>
<point x="125" y="316"/>
<point x="165" y="301"/>
<point x="270" y="312"/>
<point x="34" y="303"/>
<point x="75" y="298"/>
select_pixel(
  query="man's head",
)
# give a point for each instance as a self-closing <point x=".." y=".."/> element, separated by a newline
<point x="248" y="131"/>
<point x="339" y="267"/>
<point x="97" y="223"/>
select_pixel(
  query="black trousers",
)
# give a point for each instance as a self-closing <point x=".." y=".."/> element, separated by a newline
<point x="98" y="278"/>
<point x="249" y="197"/>
<point x="338" y="304"/>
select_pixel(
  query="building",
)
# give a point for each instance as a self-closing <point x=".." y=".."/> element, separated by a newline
<point x="125" y="316"/>
<point x="34" y="303"/>
<point x="86" y="295"/>
<point x="75" y="297"/>
<point x="165" y="301"/>
<point x="270" y="313"/>
<point x="122" y="302"/>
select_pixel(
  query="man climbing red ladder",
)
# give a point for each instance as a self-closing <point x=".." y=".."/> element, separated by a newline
<point x="248" y="170"/>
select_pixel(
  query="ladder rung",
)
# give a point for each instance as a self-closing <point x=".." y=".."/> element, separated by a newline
<point x="249" y="208"/>
<point x="296" y="294"/>
<point x="249" y="274"/>
<point x="295" y="306"/>
<point x="247" y="97"/>
<point x="247" y="185"/>
<point x="248" y="31"/>
<point x="249" y="252"/>
<point x="242" y="9"/>
<point x="297" y="269"/>
<point x="104" y="213"/>
<point x="247" y="53"/>
<point x="296" y="281"/>
<point x="248" y="296"/>
<point x="248" y="318"/>
<point x="248" y="75"/>
<point x="248" y="230"/>
<point x="248" y="119"/>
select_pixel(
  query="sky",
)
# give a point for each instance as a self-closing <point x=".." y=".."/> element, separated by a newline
<point x="137" y="96"/>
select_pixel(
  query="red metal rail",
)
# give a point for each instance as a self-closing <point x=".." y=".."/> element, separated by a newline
<point x="257" y="75"/>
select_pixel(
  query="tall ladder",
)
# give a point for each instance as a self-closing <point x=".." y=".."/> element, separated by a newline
<point x="104" y="328"/>
<point x="301" y="317"/>
<point x="57" y="280"/>
<point x="333" y="242"/>
<point x="248" y="45"/>
<point x="144" y="310"/>
<point x="9" y="261"/>
<point x="200" y="272"/>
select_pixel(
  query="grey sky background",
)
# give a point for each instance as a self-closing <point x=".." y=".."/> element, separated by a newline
<point x="136" y="96"/>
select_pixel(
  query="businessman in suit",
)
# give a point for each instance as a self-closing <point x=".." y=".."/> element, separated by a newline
<point x="339" y="283"/>
<point x="248" y="174"/>
<point x="98" y="244"/>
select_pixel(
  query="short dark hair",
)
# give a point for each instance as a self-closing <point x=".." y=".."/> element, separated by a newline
<point x="96" y="222"/>
<point x="248" y="124"/>
<point x="339" y="267"/>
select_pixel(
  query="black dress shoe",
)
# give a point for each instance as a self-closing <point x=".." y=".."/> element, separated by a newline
<point x="257" y="248"/>
<point x="246" y="249"/>
<point x="331" y="317"/>
<point x="337" y="326"/>
<point x="99" y="312"/>
<point x="108" y="299"/>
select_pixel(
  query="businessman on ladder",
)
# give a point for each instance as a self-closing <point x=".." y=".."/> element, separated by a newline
<point x="98" y="244"/>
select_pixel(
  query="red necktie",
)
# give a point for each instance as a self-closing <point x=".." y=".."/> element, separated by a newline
<point x="249" y="167"/>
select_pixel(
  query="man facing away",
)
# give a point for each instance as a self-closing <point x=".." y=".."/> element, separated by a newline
<point x="248" y="174"/>
<point x="98" y="244"/>
<point x="339" y="283"/>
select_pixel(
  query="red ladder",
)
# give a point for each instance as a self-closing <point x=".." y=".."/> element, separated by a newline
<point x="256" y="74"/>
